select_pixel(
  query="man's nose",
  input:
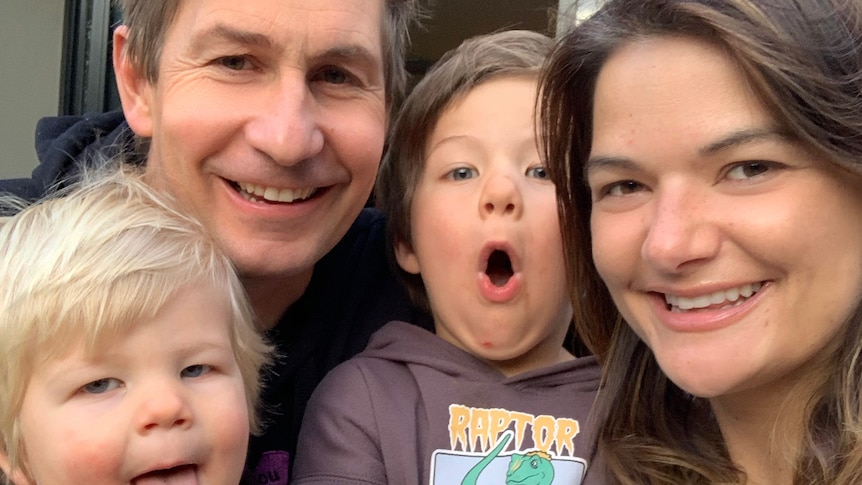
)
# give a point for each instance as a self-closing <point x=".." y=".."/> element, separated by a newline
<point x="287" y="129"/>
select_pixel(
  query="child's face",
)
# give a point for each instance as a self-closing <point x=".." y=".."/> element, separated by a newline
<point x="486" y="237"/>
<point x="165" y="403"/>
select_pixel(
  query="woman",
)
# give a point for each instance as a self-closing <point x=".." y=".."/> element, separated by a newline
<point x="708" y="158"/>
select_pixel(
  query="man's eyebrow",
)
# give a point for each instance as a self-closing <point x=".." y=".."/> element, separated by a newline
<point x="230" y="34"/>
<point x="350" y="53"/>
<point x="742" y="137"/>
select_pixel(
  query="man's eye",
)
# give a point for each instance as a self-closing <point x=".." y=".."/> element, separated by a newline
<point x="334" y="75"/>
<point x="462" y="173"/>
<point x="196" y="370"/>
<point x="234" y="63"/>
<point x="101" y="386"/>
<point x="538" y="172"/>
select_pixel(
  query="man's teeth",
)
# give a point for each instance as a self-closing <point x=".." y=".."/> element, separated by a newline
<point x="717" y="298"/>
<point x="273" y="194"/>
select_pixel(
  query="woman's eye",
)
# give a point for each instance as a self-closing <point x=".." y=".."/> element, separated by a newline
<point x="101" y="386"/>
<point x="234" y="63"/>
<point x="538" y="172"/>
<point x="621" y="188"/>
<point x="747" y="170"/>
<point x="195" y="370"/>
<point x="462" y="173"/>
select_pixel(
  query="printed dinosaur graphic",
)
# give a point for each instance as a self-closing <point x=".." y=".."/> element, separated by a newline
<point x="532" y="468"/>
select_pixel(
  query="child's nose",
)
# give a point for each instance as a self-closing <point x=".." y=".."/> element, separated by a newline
<point x="501" y="196"/>
<point x="165" y="407"/>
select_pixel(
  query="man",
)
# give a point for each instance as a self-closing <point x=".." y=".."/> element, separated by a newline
<point x="267" y="119"/>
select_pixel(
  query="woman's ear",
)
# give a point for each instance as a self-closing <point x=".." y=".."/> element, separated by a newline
<point x="406" y="258"/>
<point x="17" y="476"/>
<point x="136" y="91"/>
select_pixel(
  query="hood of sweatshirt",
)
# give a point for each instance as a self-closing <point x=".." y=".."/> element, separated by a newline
<point x="415" y="346"/>
<point x="65" y="142"/>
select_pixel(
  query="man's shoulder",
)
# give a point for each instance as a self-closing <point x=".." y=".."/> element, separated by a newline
<point x="71" y="137"/>
<point x="362" y="247"/>
<point x="369" y="226"/>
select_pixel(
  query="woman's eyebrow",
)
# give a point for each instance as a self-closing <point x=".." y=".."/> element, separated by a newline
<point x="741" y="137"/>
<point x="597" y="162"/>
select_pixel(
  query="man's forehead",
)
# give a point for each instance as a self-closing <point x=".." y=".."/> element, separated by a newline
<point x="321" y="25"/>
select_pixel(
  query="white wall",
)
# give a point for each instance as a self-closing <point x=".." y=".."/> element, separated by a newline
<point x="31" y="42"/>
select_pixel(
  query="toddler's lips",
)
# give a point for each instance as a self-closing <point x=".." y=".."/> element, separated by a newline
<point x="178" y="475"/>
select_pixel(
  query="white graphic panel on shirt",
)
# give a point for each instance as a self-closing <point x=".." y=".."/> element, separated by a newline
<point x="498" y="446"/>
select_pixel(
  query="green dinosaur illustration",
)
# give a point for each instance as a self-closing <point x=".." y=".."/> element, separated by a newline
<point x="473" y="475"/>
<point x="532" y="468"/>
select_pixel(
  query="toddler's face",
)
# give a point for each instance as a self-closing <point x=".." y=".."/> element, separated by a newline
<point x="165" y="403"/>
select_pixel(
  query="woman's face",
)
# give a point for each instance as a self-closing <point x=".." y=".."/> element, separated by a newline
<point x="734" y="252"/>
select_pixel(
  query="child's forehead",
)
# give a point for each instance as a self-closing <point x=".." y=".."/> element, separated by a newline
<point x="506" y="102"/>
<point x="122" y="348"/>
<point x="193" y="317"/>
<point x="500" y="84"/>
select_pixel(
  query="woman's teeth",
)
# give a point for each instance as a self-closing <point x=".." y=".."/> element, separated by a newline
<point x="722" y="298"/>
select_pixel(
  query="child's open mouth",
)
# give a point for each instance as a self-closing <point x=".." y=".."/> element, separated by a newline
<point x="499" y="268"/>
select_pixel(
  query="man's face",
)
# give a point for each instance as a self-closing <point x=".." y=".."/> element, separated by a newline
<point x="268" y="121"/>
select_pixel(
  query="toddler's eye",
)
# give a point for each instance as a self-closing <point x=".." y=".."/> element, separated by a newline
<point x="101" y="386"/>
<point x="462" y="173"/>
<point x="196" y="370"/>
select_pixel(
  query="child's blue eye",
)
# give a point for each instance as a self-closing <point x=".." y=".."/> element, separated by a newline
<point x="101" y="386"/>
<point x="462" y="173"/>
<point x="538" y="172"/>
<point x="196" y="370"/>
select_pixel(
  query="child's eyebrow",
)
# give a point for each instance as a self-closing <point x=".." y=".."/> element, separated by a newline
<point x="446" y="141"/>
